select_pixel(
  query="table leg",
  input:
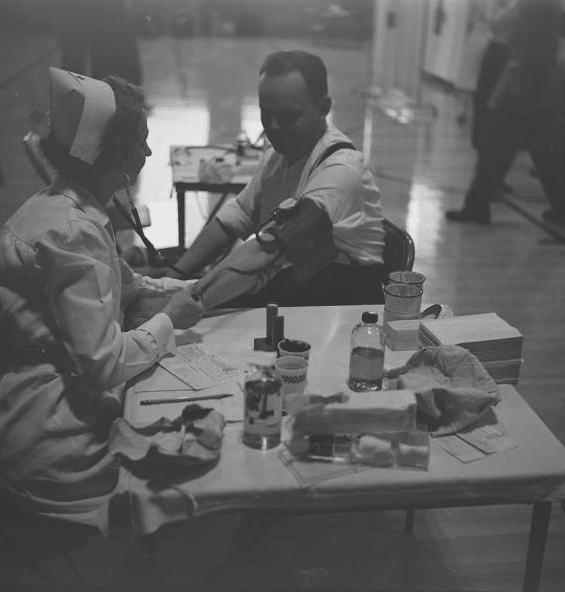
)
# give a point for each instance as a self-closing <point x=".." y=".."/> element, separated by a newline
<point x="215" y="209"/>
<point x="536" y="545"/>
<point x="181" y="216"/>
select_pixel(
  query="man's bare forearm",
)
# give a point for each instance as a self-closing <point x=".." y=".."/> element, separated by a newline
<point x="206" y="248"/>
<point x="246" y="269"/>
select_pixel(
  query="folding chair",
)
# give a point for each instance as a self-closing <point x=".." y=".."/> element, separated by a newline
<point x="46" y="173"/>
<point x="399" y="248"/>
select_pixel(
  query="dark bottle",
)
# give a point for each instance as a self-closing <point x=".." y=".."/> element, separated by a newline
<point x="366" y="362"/>
<point x="263" y="404"/>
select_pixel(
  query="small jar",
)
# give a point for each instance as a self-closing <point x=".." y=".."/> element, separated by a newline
<point x="366" y="362"/>
<point x="262" y="417"/>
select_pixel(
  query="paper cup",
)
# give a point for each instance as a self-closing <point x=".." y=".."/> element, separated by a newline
<point x="293" y="371"/>
<point x="403" y="300"/>
<point x="294" y="347"/>
<point x="407" y="277"/>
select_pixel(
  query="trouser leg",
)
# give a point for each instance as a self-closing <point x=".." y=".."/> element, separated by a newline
<point x="492" y="64"/>
<point x="546" y="148"/>
<point x="494" y="160"/>
<point x="334" y="285"/>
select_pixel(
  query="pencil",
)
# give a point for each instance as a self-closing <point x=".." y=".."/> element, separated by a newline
<point x="184" y="399"/>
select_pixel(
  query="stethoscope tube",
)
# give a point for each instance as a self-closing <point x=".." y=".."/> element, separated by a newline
<point x="134" y="221"/>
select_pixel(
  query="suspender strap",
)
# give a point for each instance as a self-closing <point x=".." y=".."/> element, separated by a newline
<point x="334" y="148"/>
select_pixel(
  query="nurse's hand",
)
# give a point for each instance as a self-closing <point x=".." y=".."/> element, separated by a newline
<point x="183" y="310"/>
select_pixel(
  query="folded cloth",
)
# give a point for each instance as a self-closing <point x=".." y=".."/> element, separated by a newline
<point x="165" y="449"/>
<point x="453" y="389"/>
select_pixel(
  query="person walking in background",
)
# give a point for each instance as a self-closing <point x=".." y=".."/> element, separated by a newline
<point x="492" y="64"/>
<point x="525" y="110"/>
<point x="477" y="36"/>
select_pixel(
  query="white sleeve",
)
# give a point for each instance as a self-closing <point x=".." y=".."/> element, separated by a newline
<point x="85" y="303"/>
<point x="337" y="185"/>
<point x="240" y="214"/>
<point x="134" y="284"/>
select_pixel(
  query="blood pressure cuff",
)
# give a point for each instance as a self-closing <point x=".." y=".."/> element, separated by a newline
<point x="305" y="235"/>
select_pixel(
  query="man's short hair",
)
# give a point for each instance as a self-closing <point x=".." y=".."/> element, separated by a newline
<point x="311" y="67"/>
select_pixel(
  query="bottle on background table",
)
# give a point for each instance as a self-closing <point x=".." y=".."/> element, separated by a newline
<point x="366" y="362"/>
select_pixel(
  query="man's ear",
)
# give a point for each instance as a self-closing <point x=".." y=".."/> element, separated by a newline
<point x="325" y="105"/>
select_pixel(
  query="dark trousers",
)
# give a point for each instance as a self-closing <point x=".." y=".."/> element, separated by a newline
<point x="335" y="285"/>
<point x="492" y="65"/>
<point x="541" y="134"/>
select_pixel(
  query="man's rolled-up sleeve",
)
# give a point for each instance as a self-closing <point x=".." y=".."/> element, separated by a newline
<point x="239" y="213"/>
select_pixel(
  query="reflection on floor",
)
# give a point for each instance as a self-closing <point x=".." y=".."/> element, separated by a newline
<point x="204" y="90"/>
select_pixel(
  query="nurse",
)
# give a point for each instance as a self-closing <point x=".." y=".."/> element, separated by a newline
<point x="64" y="298"/>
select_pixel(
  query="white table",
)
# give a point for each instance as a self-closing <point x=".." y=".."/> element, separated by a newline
<point x="532" y="473"/>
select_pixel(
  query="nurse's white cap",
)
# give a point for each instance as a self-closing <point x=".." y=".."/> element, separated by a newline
<point x="80" y="109"/>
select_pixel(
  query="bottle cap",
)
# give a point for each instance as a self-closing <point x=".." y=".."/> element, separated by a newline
<point x="369" y="317"/>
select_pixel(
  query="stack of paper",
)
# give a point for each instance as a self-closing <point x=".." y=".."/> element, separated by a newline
<point x="199" y="368"/>
<point x="497" y="345"/>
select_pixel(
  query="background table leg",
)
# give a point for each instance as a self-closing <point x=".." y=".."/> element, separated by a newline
<point x="181" y="215"/>
<point x="536" y="545"/>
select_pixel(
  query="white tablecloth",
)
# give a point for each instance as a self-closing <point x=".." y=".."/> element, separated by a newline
<point x="251" y="479"/>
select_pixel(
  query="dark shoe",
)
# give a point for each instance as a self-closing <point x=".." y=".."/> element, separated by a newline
<point x="553" y="217"/>
<point x="467" y="215"/>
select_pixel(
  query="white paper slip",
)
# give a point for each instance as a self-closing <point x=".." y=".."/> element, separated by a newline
<point x="491" y="431"/>
<point x="459" y="448"/>
<point x="489" y="444"/>
<point x="504" y="443"/>
<point x="483" y="444"/>
<point x="158" y="380"/>
<point x="231" y="408"/>
<point x="200" y="368"/>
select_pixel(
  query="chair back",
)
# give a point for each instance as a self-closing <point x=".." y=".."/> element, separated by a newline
<point x="399" y="249"/>
<point x="37" y="158"/>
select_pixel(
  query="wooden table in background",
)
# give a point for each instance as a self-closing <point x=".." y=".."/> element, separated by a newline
<point x="185" y="161"/>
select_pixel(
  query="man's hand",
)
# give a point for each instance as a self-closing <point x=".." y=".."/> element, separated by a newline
<point x="183" y="310"/>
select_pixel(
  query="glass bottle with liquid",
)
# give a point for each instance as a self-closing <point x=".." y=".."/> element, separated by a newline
<point x="262" y="417"/>
<point x="366" y="363"/>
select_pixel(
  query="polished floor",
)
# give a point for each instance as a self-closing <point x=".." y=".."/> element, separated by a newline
<point x="203" y="90"/>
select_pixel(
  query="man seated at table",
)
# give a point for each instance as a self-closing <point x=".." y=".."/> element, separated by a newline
<point x="334" y="246"/>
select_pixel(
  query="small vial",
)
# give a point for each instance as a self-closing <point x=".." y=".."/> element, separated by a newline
<point x="366" y="362"/>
